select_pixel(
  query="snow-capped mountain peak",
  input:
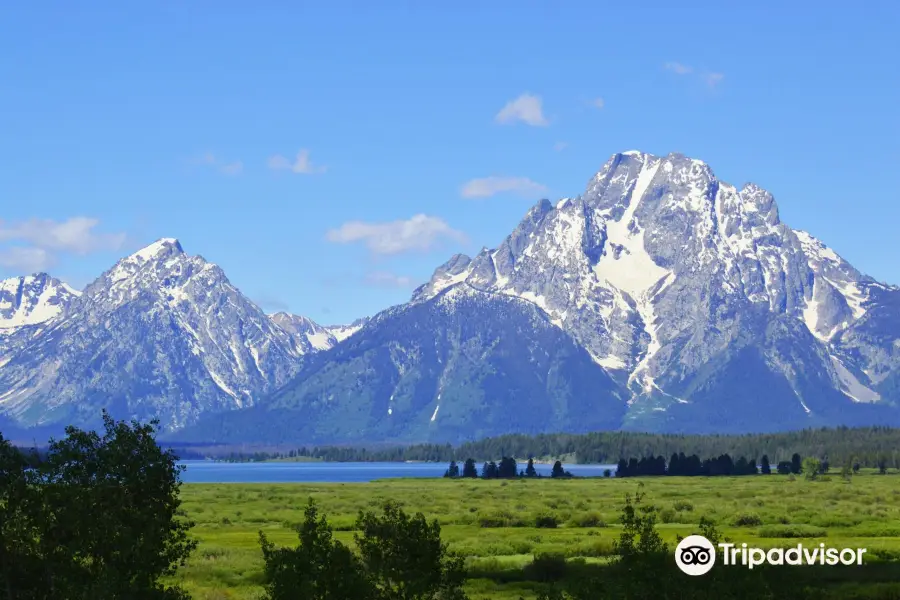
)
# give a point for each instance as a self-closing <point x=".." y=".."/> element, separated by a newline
<point x="33" y="299"/>
<point x="312" y="336"/>
<point x="647" y="252"/>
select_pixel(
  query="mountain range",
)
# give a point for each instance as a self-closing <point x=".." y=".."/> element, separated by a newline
<point x="660" y="299"/>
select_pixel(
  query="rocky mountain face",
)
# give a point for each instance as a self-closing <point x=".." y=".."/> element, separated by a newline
<point x="707" y="311"/>
<point x="465" y="365"/>
<point x="32" y="300"/>
<point x="660" y="299"/>
<point x="160" y="335"/>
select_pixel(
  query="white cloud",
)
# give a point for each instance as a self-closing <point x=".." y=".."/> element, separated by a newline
<point x="526" y="108"/>
<point x="235" y="167"/>
<point x="301" y="164"/>
<point x="560" y="146"/>
<point x="26" y="260"/>
<point x="714" y="79"/>
<point x="598" y="103"/>
<point x="486" y="187"/>
<point x="418" y="233"/>
<point x="72" y="235"/>
<point x="678" y="68"/>
<point x="388" y="279"/>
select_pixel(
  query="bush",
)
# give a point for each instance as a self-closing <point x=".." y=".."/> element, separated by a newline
<point x="546" y="568"/>
<point x="591" y="519"/>
<point x="792" y="531"/>
<point x="546" y="521"/>
<point x="667" y="515"/>
<point x="682" y="506"/>
<point x="747" y="520"/>
<point x="500" y="519"/>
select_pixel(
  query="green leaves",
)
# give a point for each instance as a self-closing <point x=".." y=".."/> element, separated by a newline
<point x="96" y="518"/>
<point x="401" y="557"/>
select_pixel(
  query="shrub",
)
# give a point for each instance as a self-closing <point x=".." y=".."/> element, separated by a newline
<point x="546" y="521"/>
<point x="747" y="520"/>
<point x="546" y="568"/>
<point x="590" y="519"/>
<point x="792" y="531"/>
<point x="683" y="505"/>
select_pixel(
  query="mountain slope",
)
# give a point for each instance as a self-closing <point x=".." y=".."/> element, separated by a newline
<point x="32" y="300"/>
<point x="661" y="271"/>
<point x="161" y="334"/>
<point x="462" y="365"/>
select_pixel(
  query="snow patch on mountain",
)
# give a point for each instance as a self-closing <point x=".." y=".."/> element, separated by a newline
<point x="32" y="299"/>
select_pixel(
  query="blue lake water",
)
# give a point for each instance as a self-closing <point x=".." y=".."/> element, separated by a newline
<point x="204" y="471"/>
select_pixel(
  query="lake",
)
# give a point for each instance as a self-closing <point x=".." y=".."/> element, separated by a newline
<point x="205" y="471"/>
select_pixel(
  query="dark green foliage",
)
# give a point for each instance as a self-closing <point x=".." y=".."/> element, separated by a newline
<point x="796" y="464"/>
<point x="490" y="470"/>
<point x="546" y="568"/>
<point x="406" y="558"/>
<point x="97" y="518"/>
<point x="319" y="568"/>
<point x="557" y="470"/>
<point x="530" y="471"/>
<point x="784" y="467"/>
<point x="507" y="469"/>
<point x="764" y="467"/>
<point x="453" y="470"/>
<point x="469" y="469"/>
<point x="400" y="558"/>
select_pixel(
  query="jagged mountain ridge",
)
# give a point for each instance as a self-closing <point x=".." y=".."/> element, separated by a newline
<point x="160" y="335"/>
<point x="657" y="247"/>
<point x="462" y="366"/>
<point x="32" y="299"/>
<point x="708" y="311"/>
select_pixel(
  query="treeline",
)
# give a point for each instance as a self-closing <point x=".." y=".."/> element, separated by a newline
<point x="507" y="468"/>
<point x="868" y="446"/>
<point x="681" y="465"/>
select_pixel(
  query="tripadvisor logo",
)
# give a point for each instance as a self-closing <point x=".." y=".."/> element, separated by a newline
<point x="696" y="555"/>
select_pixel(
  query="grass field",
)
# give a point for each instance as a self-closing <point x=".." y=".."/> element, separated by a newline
<point x="493" y="523"/>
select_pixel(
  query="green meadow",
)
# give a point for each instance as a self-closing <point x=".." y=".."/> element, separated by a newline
<point x="499" y="525"/>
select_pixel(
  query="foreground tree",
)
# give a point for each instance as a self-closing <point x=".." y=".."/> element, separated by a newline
<point x="469" y="469"/>
<point x="97" y="518"/>
<point x="319" y="568"/>
<point x="764" y="467"/>
<point x="405" y="557"/>
<point x="401" y="557"/>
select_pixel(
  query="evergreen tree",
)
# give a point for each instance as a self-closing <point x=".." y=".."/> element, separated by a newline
<point x="530" y="471"/>
<point x="796" y="464"/>
<point x="508" y="469"/>
<point x="557" y="470"/>
<point x="765" y="467"/>
<point x="469" y="469"/>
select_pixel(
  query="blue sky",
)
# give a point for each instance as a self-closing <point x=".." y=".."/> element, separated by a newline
<point x="321" y="153"/>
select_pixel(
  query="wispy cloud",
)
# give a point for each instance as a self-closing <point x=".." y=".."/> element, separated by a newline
<point x="486" y="187"/>
<point x="560" y="146"/>
<point x="527" y="108"/>
<point x="26" y="260"/>
<point x="598" y="103"/>
<point x="301" y="164"/>
<point x="710" y="78"/>
<point x="418" y="233"/>
<point x="714" y="79"/>
<point x="388" y="279"/>
<point x="225" y="167"/>
<point x="678" y="68"/>
<point x="75" y="235"/>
